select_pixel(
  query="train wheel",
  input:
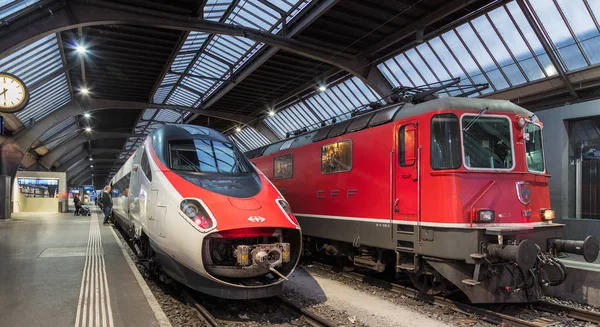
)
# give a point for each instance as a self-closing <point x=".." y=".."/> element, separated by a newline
<point x="427" y="283"/>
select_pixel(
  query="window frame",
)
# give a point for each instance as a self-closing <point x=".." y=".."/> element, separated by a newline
<point x="462" y="147"/>
<point x="460" y="159"/>
<point x="401" y="142"/>
<point x="147" y="173"/>
<point x="291" y="155"/>
<point x="543" y="149"/>
<point x="351" y="157"/>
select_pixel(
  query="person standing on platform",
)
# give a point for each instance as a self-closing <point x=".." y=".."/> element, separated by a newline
<point x="106" y="200"/>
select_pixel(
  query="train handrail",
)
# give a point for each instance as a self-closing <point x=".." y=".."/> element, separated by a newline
<point x="488" y="187"/>
<point x="452" y="172"/>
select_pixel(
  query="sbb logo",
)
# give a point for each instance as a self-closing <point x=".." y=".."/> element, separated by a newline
<point x="257" y="219"/>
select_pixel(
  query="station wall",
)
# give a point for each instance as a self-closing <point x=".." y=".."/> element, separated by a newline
<point x="560" y="161"/>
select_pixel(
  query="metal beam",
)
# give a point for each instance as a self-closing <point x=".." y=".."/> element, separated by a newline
<point x="95" y="12"/>
<point x="549" y="51"/>
<point x="51" y="157"/>
<point x="250" y="67"/>
<point x="27" y="137"/>
<point x="408" y="30"/>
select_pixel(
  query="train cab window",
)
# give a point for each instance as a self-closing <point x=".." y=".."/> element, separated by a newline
<point x="336" y="157"/>
<point x="487" y="142"/>
<point x="445" y="142"/>
<point x="145" y="165"/>
<point x="534" y="153"/>
<point x="207" y="156"/>
<point x="407" y="145"/>
<point x="283" y="166"/>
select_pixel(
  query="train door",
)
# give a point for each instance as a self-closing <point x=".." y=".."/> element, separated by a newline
<point x="405" y="177"/>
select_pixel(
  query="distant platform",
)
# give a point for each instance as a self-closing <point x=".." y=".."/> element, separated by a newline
<point x="66" y="270"/>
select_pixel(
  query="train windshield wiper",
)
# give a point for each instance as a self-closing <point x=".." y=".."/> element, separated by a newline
<point x="483" y="111"/>
<point x="188" y="161"/>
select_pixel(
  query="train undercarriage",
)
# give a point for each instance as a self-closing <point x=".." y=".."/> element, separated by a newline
<point x="504" y="266"/>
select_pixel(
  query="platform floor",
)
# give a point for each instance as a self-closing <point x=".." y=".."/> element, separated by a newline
<point x="66" y="270"/>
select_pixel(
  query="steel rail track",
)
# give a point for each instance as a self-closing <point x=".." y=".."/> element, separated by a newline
<point x="487" y="315"/>
<point x="309" y="314"/>
<point x="203" y="314"/>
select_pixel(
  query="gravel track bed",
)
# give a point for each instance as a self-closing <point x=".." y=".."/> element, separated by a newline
<point x="436" y="312"/>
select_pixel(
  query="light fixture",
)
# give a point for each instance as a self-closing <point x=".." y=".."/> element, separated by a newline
<point x="322" y="88"/>
<point x="91" y="166"/>
<point x="81" y="49"/>
<point x="271" y="113"/>
<point x="87" y="115"/>
<point x="84" y="90"/>
<point x="91" y="159"/>
<point x="88" y="129"/>
<point x="238" y="129"/>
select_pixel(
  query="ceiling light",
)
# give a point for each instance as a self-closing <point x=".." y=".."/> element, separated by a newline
<point x="91" y="166"/>
<point x="91" y="159"/>
<point x="271" y="113"/>
<point x="84" y="90"/>
<point x="322" y="88"/>
<point x="88" y="129"/>
<point x="87" y="115"/>
<point x="80" y="49"/>
<point x="238" y="129"/>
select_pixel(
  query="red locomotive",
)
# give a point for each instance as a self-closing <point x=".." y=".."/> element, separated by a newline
<point x="451" y="191"/>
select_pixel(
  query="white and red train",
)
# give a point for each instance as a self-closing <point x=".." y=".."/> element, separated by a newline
<point x="452" y="191"/>
<point x="198" y="211"/>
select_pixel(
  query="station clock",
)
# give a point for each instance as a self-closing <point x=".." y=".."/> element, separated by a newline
<point x="14" y="95"/>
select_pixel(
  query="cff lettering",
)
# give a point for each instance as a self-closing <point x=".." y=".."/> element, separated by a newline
<point x="322" y="194"/>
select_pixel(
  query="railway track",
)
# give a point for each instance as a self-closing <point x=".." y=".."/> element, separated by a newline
<point x="510" y="317"/>
<point x="311" y="317"/>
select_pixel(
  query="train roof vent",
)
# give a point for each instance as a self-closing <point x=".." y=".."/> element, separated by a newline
<point x="339" y="128"/>
<point x="359" y="123"/>
<point x="286" y="145"/>
<point x="384" y="115"/>
<point x="321" y="134"/>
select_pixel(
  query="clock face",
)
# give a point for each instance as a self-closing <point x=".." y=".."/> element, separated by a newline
<point x="13" y="93"/>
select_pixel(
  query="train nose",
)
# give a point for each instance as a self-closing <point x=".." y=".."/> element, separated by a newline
<point x="588" y="248"/>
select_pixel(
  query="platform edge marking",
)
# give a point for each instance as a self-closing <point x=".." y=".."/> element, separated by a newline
<point x="159" y="314"/>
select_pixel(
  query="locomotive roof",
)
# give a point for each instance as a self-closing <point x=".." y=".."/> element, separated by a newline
<point x="387" y="114"/>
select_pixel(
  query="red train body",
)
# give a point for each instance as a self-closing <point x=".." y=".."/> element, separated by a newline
<point x="452" y="191"/>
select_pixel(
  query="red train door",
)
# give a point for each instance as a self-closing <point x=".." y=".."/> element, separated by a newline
<point x="406" y="179"/>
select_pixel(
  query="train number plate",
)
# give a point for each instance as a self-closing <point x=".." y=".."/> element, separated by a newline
<point x="526" y="213"/>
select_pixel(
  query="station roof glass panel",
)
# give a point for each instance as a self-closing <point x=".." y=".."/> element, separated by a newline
<point x="501" y="48"/>
<point x="39" y="65"/>
<point x="12" y="7"/>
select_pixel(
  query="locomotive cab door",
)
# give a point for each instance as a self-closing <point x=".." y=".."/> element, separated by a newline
<point x="405" y="178"/>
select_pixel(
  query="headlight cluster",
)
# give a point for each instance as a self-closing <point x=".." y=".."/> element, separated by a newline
<point x="196" y="212"/>
<point x="485" y="216"/>
<point x="548" y="214"/>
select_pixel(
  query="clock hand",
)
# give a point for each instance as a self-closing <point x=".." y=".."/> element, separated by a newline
<point x="3" y="91"/>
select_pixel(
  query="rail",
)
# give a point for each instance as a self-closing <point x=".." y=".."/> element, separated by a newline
<point x="203" y="314"/>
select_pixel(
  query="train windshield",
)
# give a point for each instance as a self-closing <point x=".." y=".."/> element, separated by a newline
<point x="534" y="154"/>
<point x="487" y="142"/>
<point x="206" y="156"/>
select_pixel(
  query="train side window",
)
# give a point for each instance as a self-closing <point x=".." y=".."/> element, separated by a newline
<point x="407" y="145"/>
<point x="336" y="157"/>
<point x="445" y="142"/>
<point x="283" y="166"/>
<point x="145" y="165"/>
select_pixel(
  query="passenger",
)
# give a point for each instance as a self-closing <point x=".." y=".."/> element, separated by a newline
<point x="77" y="203"/>
<point x="106" y="201"/>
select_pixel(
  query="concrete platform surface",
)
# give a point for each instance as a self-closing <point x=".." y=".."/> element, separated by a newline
<point x="66" y="270"/>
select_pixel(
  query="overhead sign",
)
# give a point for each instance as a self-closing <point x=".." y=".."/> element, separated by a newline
<point x="37" y="181"/>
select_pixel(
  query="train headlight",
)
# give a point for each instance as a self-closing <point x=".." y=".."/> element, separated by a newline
<point x="485" y="216"/>
<point x="285" y="207"/>
<point x="197" y="213"/>
<point x="520" y="122"/>
<point x="548" y="214"/>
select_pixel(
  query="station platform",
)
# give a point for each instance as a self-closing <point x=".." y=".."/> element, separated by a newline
<point x="66" y="270"/>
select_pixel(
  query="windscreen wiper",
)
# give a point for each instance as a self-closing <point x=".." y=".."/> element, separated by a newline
<point x="483" y="111"/>
<point x="188" y="161"/>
